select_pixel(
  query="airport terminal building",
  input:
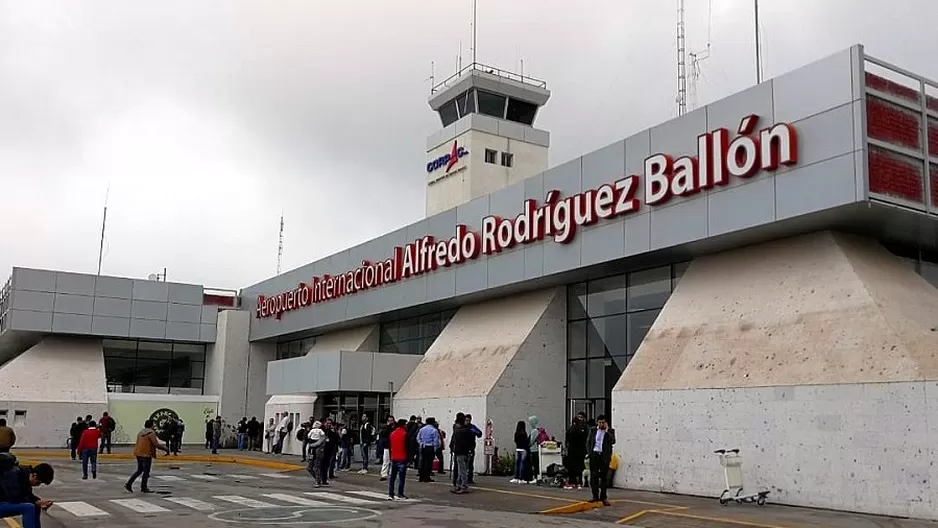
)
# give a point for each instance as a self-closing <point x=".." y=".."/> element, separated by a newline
<point x="758" y="273"/>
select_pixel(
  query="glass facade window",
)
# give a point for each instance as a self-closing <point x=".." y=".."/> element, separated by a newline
<point x="154" y="367"/>
<point x="294" y="348"/>
<point x="521" y="111"/>
<point x="466" y="103"/>
<point x="448" y="113"/>
<point x="491" y="104"/>
<point x="413" y="335"/>
<point x="347" y="408"/>
<point x="607" y="320"/>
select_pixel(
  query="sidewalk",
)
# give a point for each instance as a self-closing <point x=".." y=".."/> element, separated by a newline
<point x="189" y="453"/>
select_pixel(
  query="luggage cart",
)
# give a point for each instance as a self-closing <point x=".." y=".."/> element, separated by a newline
<point x="733" y="474"/>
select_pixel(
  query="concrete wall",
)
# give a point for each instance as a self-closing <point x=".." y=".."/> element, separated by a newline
<point x="300" y="407"/>
<point x="499" y="359"/>
<point x="54" y="381"/>
<point x="359" y="338"/>
<point x="228" y="367"/>
<point x="814" y="355"/>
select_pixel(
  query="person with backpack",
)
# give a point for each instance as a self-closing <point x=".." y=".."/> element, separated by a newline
<point x="538" y="436"/>
<point x="74" y="434"/>
<point x="106" y="426"/>
<point x="302" y="436"/>
<point x="16" y="490"/>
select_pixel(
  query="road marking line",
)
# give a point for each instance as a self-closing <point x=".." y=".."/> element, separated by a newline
<point x="716" y="519"/>
<point x="522" y="494"/>
<point x="13" y="523"/>
<point x="244" y="501"/>
<point x="242" y="477"/>
<point x="375" y="495"/>
<point x="636" y="515"/>
<point x="195" y="504"/>
<point x="169" y="478"/>
<point x="81" y="509"/>
<point x="338" y="498"/>
<point x="139" y="506"/>
<point x="302" y="501"/>
<point x="204" y="477"/>
<point x="275" y="475"/>
<point x="576" y="507"/>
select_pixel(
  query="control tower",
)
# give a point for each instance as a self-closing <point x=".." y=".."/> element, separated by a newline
<point x="488" y="140"/>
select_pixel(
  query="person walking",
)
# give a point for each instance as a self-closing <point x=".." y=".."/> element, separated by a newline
<point x="397" y="453"/>
<point x="600" y="442"/>
<point x="7" y="437"/>
<point x="74" y="433"/>
<point x="88" y="450"/>
<point x="428" y="438"/>
<point x="106" y="425"/>
<point x="145" y="451"/>
<point x="462" y="443"/>
<point x="522" y="447"/>
<point x="576" y="439"/>
<point x="216" y="435"/>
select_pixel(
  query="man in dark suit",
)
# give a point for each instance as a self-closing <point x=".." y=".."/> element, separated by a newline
<point x="599" y="446"/>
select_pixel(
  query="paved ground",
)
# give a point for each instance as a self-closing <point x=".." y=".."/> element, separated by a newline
<point x="218" y="494"/>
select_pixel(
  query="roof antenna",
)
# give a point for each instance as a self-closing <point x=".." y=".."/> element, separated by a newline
<point x="474" y="31"/>
<point x="103" y="227"/>
<point x="695" y="59"/>
<point x="681" y="62"/>
<point x="431" y="78"/>
<point x="280" y="246"/>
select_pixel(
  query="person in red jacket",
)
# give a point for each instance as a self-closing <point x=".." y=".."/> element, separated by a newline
<point x="399" y="457"/>
<point x="88" y="450"/>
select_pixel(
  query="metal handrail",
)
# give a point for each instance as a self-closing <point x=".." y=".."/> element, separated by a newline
<point x="491" y="70"/>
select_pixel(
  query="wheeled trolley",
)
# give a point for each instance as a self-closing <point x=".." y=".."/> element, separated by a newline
<point x="733" y="474"/>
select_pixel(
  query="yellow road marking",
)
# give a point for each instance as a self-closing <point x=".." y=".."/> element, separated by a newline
<point x="643" y="512"/>
<point x="717" y="519"/>
<point x="576" y="507"/>
<point x="13" y="523"/>
<point x="522" y="494"/>
<point x="659" y="504"/>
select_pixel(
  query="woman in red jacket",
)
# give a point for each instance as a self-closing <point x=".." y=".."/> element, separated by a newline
<point x="88" y="450"/>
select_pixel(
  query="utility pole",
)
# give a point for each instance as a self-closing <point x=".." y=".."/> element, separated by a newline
<point x="280" y="246"/>
<point x="758" y="45"/>
<point x="681" y="62"/>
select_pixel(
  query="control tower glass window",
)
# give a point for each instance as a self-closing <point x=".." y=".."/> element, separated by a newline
<point x="466" y="103"/>
<point x="492" y="104"/>
<point x="448" y="113"/>
<point x="521" y="111"/>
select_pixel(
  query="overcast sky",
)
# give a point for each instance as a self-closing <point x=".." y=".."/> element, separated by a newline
<point x="207" y="119"/>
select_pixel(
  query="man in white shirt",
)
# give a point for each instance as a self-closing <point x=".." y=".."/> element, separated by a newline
<point x="286" y="424"/>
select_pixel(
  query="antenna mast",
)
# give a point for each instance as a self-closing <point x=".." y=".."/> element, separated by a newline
<point x="280" y="246"/>
<point x="474" y="32"/>
<point x="758" y="44"/>
<point x="695" y="59"/>
<point x="103" y="227"/>
<point x="681" y="62"/>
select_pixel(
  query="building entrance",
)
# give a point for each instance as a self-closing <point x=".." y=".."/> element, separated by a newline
<point x="347" y="408"/>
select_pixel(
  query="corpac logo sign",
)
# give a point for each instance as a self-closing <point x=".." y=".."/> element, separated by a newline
<point x="557" y="218"/>
<point x="447" y="160"/>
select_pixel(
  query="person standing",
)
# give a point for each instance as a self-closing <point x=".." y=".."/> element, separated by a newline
<point x="145" y="451"/>
<point x="476" y="433"/>
<point x="216" y="435"/>
<point x="106" y="425"/>
<point x="283" y="429"/>
<point x="600" y="441"/>
<point x="243" y="434"/>
<point x="7" y="437"/>
<point x="366" y="434"/>
<point x="254" y="434"/>
<point x="177" y="438"/>
<point x="462" y="443"/>
<point x="169" y="431"/>
<point x="209" y="432"/>
<point x="522" y="447"/>
<point x="397" y="453"/>
<point x="428" y="438"/>
<point x="315" y="445"/>
<point x="576" y="439"/>
<point x="329" y="451"/>
<point x="269" y="433"/>
<point x="88" y="450"/>
<point x="383" y="447"/>
<point x="75" y="433"/>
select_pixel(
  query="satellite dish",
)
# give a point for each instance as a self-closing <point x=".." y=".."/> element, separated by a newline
<point x="152" y="277"/>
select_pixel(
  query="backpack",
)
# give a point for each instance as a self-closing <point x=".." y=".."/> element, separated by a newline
<point x="11" y="479"/>
<point x="7" y="462"/>
<point x="542" y="436"/>
<point x="112" y="424"/>
<point x="301" y="434"/>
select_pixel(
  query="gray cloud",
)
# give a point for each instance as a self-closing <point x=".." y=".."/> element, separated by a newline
<point x="209" y="119"/>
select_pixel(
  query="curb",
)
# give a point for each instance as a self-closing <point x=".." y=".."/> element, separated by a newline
<point x="210" y="459"/>
<point x="576" y="507"/>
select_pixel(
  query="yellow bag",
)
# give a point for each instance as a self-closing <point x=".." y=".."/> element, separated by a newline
<point x="614" y="463"/>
